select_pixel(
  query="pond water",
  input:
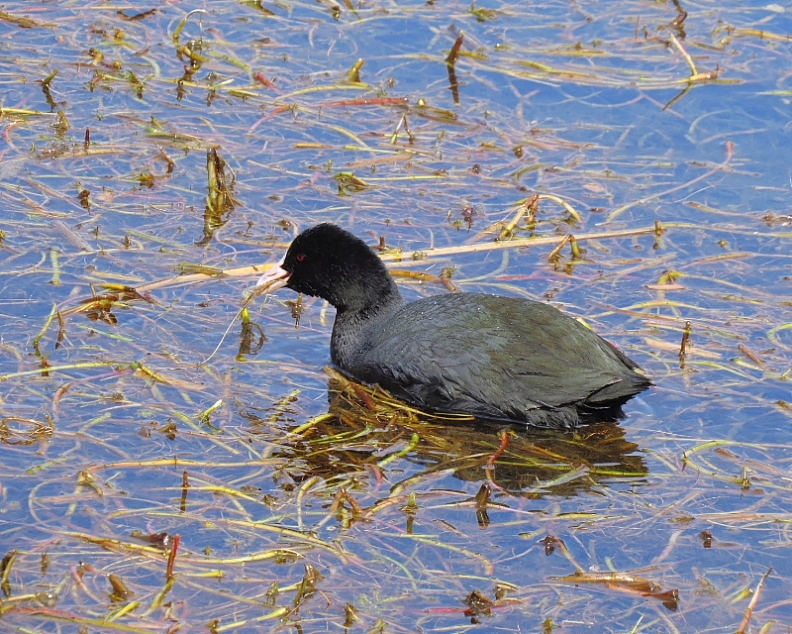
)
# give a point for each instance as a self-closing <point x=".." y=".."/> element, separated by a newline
<point x="142" y="142"/>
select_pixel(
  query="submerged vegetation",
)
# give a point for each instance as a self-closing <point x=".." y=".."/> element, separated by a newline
<point x="174" y="455"/>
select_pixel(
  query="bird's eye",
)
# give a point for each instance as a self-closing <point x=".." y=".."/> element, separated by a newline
<point x="300" y="257"/>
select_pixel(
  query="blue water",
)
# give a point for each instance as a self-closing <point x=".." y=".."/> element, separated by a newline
<point x="567" y="101"/>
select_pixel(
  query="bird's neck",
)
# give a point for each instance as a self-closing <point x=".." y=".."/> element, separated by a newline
<point x="355" y="320"/>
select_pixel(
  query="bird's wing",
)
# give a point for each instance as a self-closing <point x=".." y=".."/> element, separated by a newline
<point x="494" y="356"/>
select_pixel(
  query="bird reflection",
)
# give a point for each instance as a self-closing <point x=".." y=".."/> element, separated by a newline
<point x="366" y="429"/>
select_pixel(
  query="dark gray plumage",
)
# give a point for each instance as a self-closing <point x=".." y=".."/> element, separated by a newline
<point x="491" y="356"/>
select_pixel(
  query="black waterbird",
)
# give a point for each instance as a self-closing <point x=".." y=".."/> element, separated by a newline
<point x="494" y="357"/>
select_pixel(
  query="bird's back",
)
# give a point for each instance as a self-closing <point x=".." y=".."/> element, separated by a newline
<point x="494" y="357"/>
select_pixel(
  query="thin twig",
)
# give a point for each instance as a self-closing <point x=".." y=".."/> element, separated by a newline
<point x="754" y="601"/>
<point x="688" y="58"/>
<point x="258" y="269"/>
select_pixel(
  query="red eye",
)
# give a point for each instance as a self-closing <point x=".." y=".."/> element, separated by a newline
<point x="300" y="257"/>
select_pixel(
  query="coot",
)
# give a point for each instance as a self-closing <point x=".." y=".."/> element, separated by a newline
<point x="494" y="357"/>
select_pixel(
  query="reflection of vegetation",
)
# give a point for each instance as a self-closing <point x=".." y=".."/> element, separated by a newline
<point x="220" y="200"/>
<point x="349" y="184"/>
<point x="23" y="431"/>
<point x="252" y="337"/>
<point x="451" y="65"/>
